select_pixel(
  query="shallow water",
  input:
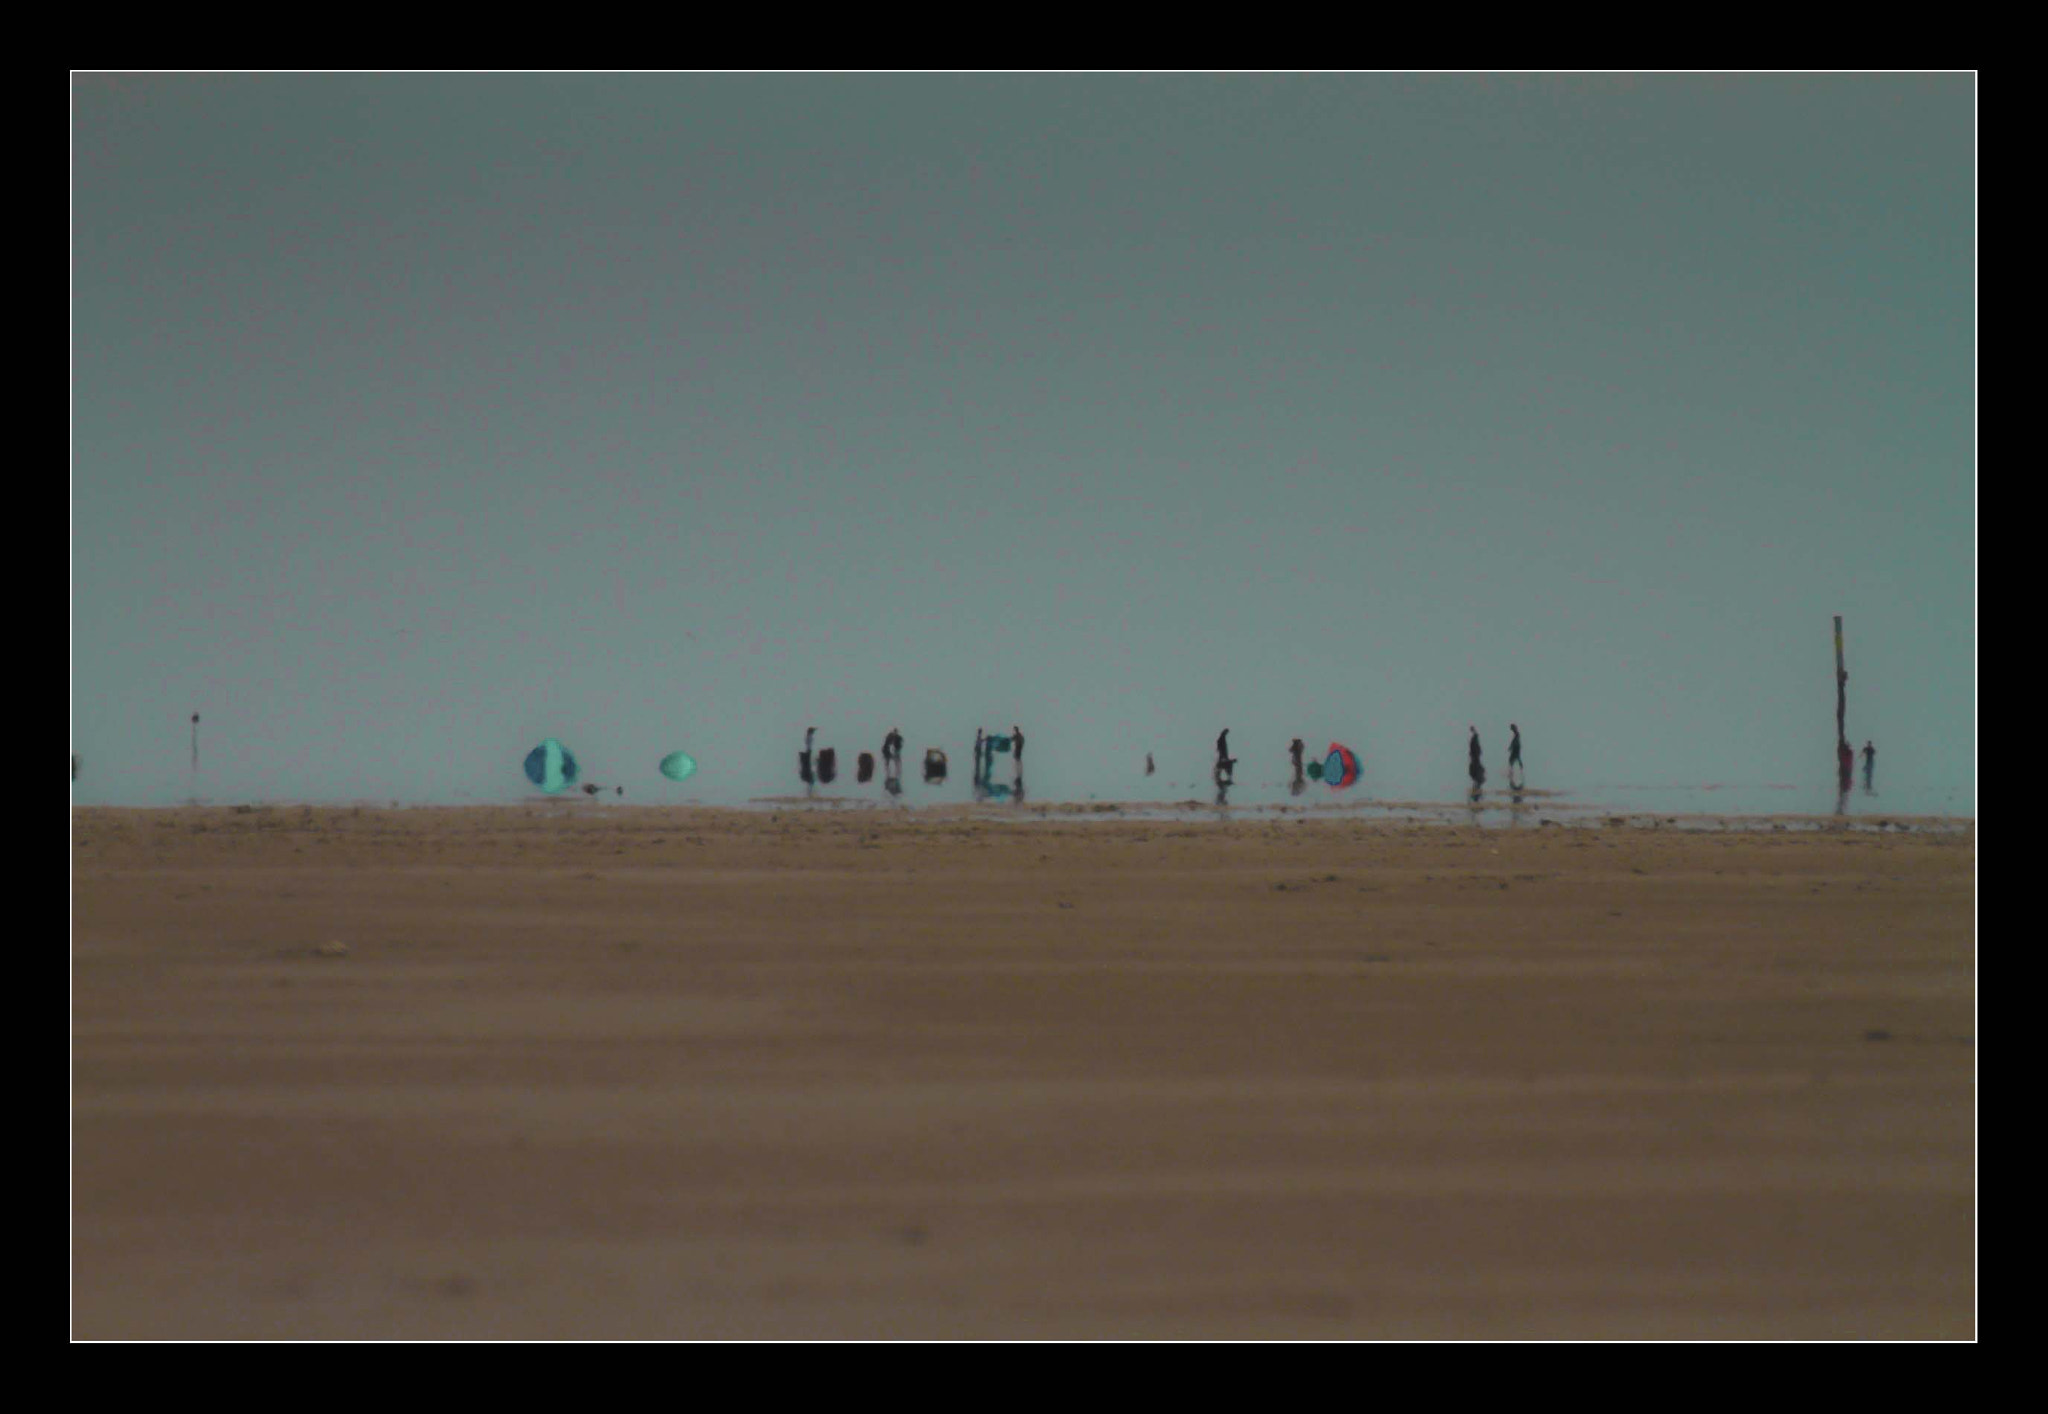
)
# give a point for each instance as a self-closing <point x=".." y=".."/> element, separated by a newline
<point x="1137" y="796"/>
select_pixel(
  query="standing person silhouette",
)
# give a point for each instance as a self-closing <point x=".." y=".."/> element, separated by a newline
<point x="892" y="751"/>
<point x="1225" y="767"/>
<point x="1017" y="737"/>
<point x="1476" y="768"/>
<point x="1514" y="754"/>
<point x="1869" y="765"/>
<point x="803" y="758"/>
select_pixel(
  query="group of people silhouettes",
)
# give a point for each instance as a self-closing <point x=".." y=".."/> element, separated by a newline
<point x="1476" y="765"/>
<point x="819" y="766"/>
<point x="988" y="746"/>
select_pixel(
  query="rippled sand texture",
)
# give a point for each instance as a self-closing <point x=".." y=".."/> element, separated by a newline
<point x="634" y="1073"/>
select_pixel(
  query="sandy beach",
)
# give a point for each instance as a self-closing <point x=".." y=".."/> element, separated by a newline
<point x="523" y="1072"/>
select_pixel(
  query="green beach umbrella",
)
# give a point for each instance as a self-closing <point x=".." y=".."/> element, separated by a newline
<point x="551" y="767"/>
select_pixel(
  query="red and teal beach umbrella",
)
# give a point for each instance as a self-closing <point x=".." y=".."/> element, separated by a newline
<point x="1340" y="767"/>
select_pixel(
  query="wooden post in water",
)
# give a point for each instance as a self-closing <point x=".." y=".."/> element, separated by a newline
<point x="1841" y="690"/>
<point x="1845" y="759"/>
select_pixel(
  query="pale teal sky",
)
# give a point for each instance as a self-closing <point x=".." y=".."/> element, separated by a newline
<point x="417" y="418"/>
